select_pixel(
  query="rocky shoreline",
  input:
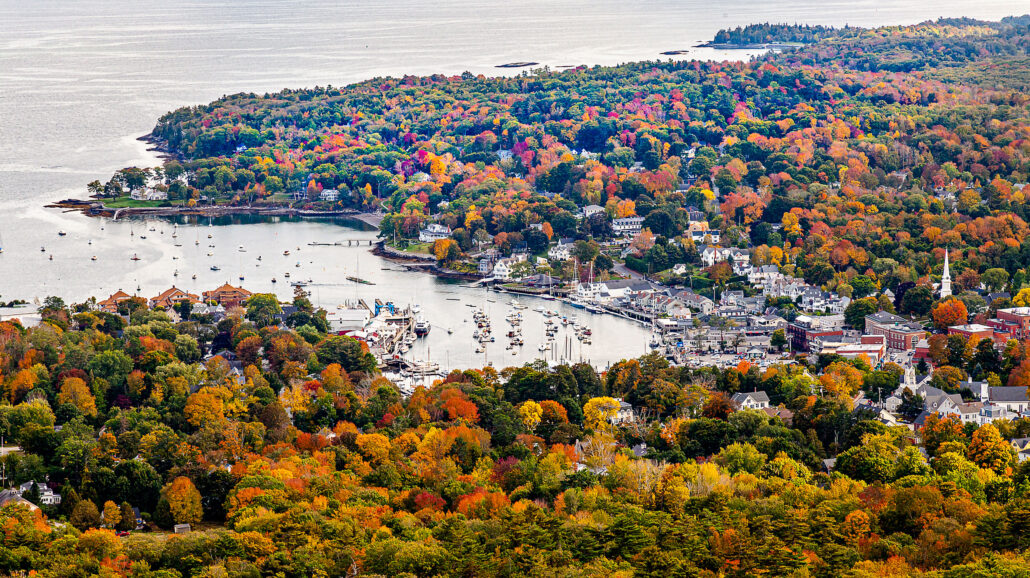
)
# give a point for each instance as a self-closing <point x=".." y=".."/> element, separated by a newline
<point x="425" y="263"/>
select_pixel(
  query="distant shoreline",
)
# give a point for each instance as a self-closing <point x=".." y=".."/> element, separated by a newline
<point x="732" y="46"/>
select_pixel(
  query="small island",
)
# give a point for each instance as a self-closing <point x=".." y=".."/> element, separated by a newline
<point x="517" y="65"/>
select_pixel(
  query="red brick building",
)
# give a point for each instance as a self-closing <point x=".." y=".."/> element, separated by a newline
<point x="901" y="334"/>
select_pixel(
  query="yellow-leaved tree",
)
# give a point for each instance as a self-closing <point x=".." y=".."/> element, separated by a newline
<point x="531" y="413"/>
<point x="75" y="392"/>
<point x="598" y="412"/>
<point x="180" y="503"/>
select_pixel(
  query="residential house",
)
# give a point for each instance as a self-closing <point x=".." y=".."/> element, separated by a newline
<point x="110" y="305"/>
<point x="591" y="210"/>
<point x="502" y="269"/>
<point x="1014" y="399"/>
<point x="47" y="496"/>
<point x="618" y="288"/>
<point x="624" y="414"/>
<point x="817" y="300"/>
<point x="148" y="195"/>
<point x="330" y="195"/>
<point x="13" y="496"/>
<point x="628" y="226"/>
<point x="562" y="250"/>
<point x="761" y="276"/>
<point x="227" y="296"/>
<point x="696" y="302"/>
<point x="169" y="298"/>
<point x="695" y="215"/>
<point x="434" y="232"/>
<point x="751" y="400"/>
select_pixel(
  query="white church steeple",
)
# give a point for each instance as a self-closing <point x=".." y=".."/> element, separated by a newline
<point x="946" y="278"/>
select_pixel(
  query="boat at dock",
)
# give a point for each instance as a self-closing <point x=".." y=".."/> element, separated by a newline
<point x="421" y="327"/>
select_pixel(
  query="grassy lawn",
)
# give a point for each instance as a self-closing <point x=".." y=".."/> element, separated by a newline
<point x="418" y="248"/>
<point x="126" y="202"/>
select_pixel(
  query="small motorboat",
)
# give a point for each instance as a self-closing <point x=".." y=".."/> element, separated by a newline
<point x="286" y="253"/>
<point x="215" y="268"/>
<point x="194" y="276"/>
<point x="61" y="233"/>
<point x="93" y="258"/>
<point x="42" y="249"/>
<point x="51" y="257"/>
<point x="273" y="280"/>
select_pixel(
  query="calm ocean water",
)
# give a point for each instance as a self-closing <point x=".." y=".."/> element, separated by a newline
<point x="80" y="81"/>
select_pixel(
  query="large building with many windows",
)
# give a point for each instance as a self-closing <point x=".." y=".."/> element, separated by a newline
<point x="901" y="334"/>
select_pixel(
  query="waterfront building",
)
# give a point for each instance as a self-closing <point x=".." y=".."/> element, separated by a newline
<point x="170" y="297"/>
<point x="434" y="232"/>
<point x="330" y="195"/>
<point x="110" y="305"/>
<point x="148" y="195"/>
<point x="227" y="296"/>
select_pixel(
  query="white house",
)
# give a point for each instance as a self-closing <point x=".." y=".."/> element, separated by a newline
<point x="47" y="497"/>
<point x="434" y="232"/>
<point x="331" y="195"/>
<point x="1013" y="399"/>
<point x="759" y="277"/>
<point x="591" y="210"/>
<point x="628" y="225"/>
<point x="148" y="195"/>
<point x="562" y="251"/>
<point x="624" y="414"/>
<point x="502" y="270"/>
<point x="704" y="236"/>
<point x="751" y="400"/>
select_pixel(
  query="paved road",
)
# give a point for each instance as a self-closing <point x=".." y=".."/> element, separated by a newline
<point x="626" y="271"/>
